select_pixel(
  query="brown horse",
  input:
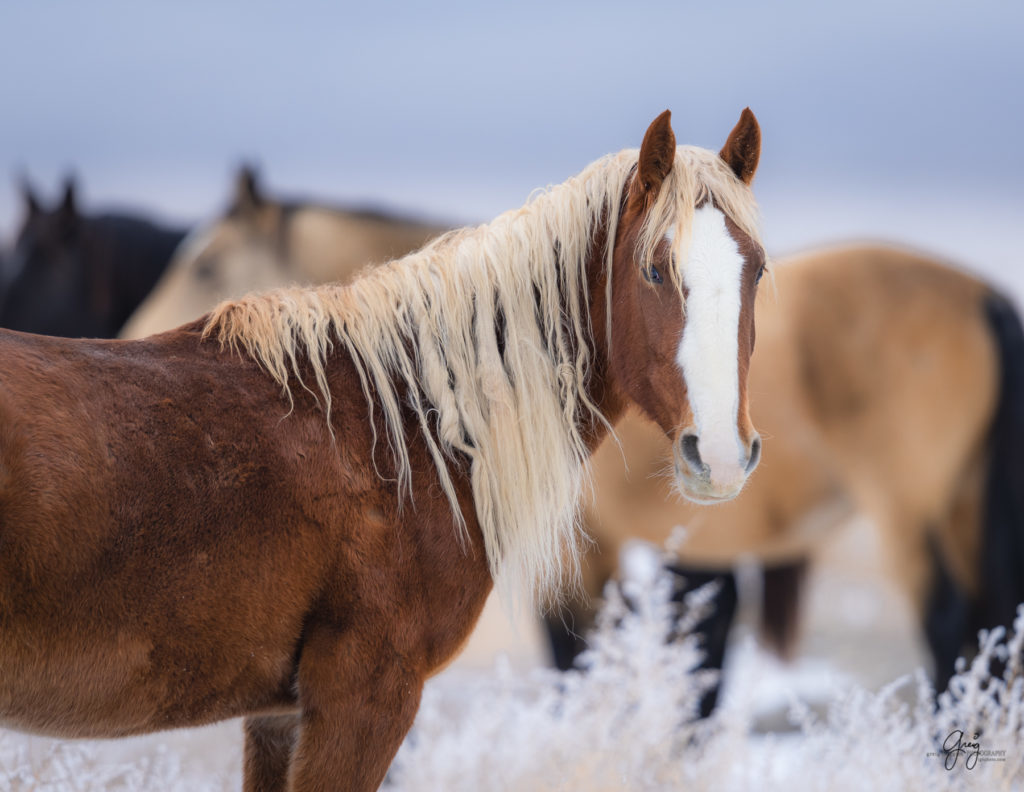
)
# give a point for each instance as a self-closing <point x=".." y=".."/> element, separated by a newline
<point x="294" y="509"/>
<point x="878" y="377"/>
<point x="261" y="243"/>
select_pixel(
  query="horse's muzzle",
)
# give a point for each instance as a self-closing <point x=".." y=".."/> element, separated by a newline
<point x="709" y="474"/>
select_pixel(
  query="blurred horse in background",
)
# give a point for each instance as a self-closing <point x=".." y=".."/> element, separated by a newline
<point x="79" y="275"/>
<point x="261" y="243"/>
<point x="5" y="276"/>
<point x="884" y="384"/>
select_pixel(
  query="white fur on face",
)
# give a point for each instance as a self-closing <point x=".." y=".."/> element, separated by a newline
<point x="712" y="270"/>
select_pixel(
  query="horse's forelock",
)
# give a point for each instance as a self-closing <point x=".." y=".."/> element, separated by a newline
<point x="697" y="176"/>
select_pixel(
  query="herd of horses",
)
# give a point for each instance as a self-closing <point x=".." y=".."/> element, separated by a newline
<point x="286" y="491"/>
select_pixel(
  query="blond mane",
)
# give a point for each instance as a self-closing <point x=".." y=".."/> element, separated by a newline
<point x="423" y="333"/>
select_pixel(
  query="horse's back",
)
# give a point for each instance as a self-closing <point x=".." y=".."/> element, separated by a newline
<point x="896" y="366"/>
<point x="152" y="519"/>
<point x="119" y="417"/>
<point x="328" y="245"/>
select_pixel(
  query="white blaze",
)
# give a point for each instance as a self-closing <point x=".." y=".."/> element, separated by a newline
<point x="708" y="353"/>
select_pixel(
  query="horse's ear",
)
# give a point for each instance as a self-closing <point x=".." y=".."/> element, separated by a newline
<point x="68" y="203"/>
<point x="28" y="195"/>
<point x="657" y="153"/>
<point x="248" y="197"/>
<point x="742" y="150"/>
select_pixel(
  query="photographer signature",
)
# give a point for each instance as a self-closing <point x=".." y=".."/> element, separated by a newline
<point x="955" y="745"/>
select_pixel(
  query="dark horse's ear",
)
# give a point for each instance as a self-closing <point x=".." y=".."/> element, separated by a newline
<point x="28" y="195"/>
<point x="657" y="153"/>
<point x="248" y="197"/>
<point x="742" y="150"/>
<point x="68" y="204"/>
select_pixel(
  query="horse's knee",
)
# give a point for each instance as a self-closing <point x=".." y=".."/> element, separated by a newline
<point x="269" y="742"/>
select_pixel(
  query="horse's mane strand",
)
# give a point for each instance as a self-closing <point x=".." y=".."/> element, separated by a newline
<point x="484" y="335"/>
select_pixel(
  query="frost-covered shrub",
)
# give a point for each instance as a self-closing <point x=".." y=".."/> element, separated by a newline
<point x="33" y="764"/>
<point x="622" y="723"/>
<point x="626" y="723"/>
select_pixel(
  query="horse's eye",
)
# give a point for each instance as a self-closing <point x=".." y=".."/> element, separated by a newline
<point x="205" y="269"/>
<point x="652" y="274"/>
<point x="760" y="274"/>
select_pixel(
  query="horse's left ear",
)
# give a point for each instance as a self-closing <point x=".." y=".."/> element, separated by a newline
<point x="28" y="194"/>
<point x="248" y="196"/>
<point x="742" y="150"/>
<point x="657" y="153"/>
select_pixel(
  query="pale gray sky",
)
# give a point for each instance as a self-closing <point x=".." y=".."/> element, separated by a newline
<point x="895" y="120"/>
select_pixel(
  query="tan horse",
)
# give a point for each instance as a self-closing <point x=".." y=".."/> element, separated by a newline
<point x="294" y="509"/>
<point x="876" y="383"/>
<point x="261" y="243"/>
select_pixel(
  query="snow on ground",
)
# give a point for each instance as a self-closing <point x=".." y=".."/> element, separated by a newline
<point x="508" y="724"/>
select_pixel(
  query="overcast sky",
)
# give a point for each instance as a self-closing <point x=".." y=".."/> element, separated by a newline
<point x="895" y="120"/>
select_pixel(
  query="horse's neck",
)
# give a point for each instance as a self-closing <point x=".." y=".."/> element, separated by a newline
<point x="139" y="251"/>
<point x="602" y="389"/>
<point x="129" y="257"/>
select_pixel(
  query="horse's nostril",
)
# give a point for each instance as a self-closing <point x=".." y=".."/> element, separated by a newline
<point x="755" y="454"/>
<point x="691" y="454"/>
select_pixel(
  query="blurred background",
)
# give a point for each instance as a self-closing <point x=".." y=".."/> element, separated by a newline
<point x="887" y="120"/>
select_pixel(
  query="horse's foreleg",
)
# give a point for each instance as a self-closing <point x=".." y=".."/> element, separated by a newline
<point x="714" y="628"/>
<point x="358" y="700"/>
<point x="269" y="741"/>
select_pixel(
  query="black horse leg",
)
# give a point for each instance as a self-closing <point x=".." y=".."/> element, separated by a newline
<point x="566" y="628"/>
<point x="713" y="630"/>
<point x="946" y="620"/>
<point x="565" y="635"/>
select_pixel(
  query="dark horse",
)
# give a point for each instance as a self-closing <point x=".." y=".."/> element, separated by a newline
<point x="76" y="275"/>
<point x="293" y="509"/>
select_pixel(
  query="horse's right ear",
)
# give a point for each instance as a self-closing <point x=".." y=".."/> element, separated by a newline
<point x="248" y="197"/>
<point x="657" y="154"/>
<point x="68" y="204"/>
<point x="28" y="196"/>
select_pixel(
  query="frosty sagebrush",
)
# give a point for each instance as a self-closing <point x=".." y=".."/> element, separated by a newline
<point x="626" y="723"/>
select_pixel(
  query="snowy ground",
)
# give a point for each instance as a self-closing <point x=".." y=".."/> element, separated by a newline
<point x="497" y="720"/>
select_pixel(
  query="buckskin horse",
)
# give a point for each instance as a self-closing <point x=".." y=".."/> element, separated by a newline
<point x="262" y="242"/>
<point x="293" y="509"/>
<point x="81" y="275"/>
<point x="888" y="383"/>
